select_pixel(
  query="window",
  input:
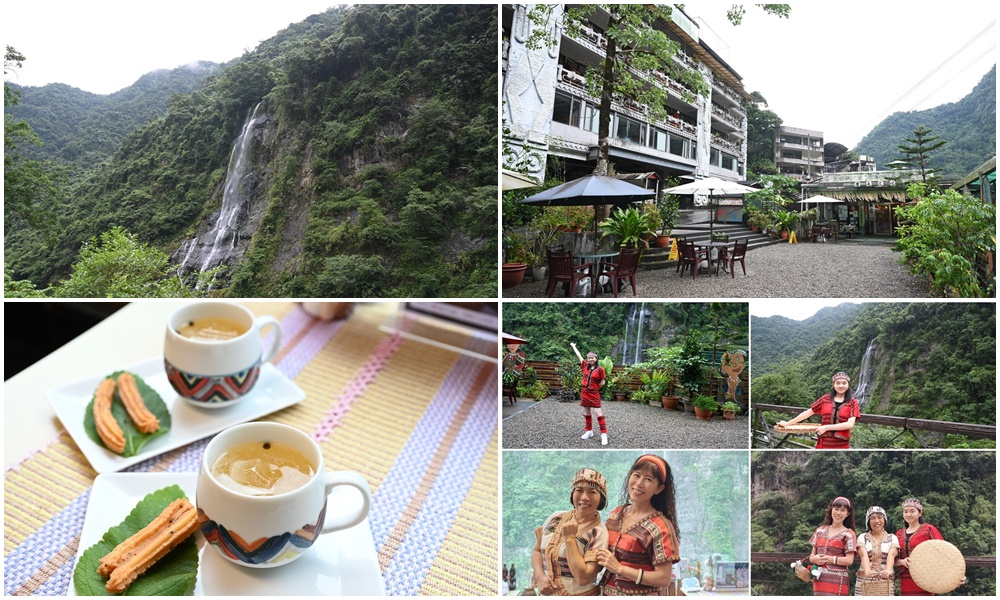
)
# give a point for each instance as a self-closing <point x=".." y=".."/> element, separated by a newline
<point x="658" y="139"/>
<point x="715" y="157"/>
<point x="728" y="162"/>
<point x="629" y="129"/>
<point x="566" y="109"/>
<point x="677" y="146"/>
<point x="591" y="118"/>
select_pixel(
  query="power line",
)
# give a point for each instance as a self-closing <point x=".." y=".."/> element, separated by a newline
<point x="925" y="78"/>
<point x="966" y="68"/>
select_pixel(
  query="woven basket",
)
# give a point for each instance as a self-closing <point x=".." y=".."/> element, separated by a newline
<point x="802" y="572"/>
<point x="876" y="587"/>
<point x="937" y="566"/>
<point x="798" y="428"/>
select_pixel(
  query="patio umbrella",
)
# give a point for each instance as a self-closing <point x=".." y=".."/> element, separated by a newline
<point x="592" y="190"/>
<point x="819" y="199"/>
<point x="711" y="186"/>
<point x="514" y="181"/>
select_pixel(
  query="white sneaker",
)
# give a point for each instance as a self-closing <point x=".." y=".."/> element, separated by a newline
<point x="587" y="435"/>
<point x="604" y="439"/>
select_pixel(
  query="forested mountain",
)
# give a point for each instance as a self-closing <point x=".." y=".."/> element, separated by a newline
<point x="611" y="329"/>
<point x="370" y="165"/>
<point x="969" y="126"/>
<point x="82" y="129"/>
<point x="926" y="360"/>
<point x="779" y="338"/>
<point x="790" y="491"/>
<point x="711" y="488"/>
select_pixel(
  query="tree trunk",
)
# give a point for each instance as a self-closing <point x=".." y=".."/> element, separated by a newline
<point x="604" y="118"/>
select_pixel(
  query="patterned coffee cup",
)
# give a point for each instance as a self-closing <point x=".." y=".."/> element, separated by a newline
<point x="270" y="531"/>
<point x="217" y="373"/>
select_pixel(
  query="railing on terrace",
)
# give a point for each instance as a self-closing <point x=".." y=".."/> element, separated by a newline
<point x="764" y="435"/>
<point x="546" y="372"/>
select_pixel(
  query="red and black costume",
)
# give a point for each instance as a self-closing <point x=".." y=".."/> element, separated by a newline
<point x="590" y="394"/>
<point x="832" y="413"/>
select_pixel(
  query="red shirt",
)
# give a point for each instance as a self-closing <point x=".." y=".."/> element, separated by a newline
<point x="824" y="407"/>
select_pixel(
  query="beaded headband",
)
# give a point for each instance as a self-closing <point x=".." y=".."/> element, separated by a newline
<point x="914" y="503"/>
<point x="875" y="510"/>
<point x="590" y="478"/>
<point x="661" y="464"/>
<point x="841" y="375"/>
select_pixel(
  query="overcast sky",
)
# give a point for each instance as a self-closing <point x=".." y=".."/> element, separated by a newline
<point x="838" y="67"/>
<point x="103" y="46"/>
<point x="798" y="309"/>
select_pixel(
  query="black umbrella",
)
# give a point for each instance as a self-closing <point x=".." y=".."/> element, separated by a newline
<point x="593" y="190"/>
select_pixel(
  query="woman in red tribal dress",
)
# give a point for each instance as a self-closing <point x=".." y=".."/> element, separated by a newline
<point x="833" y="548"/>
<point x="916" y="532"/>
<point x="643" y="543"/>
<point x="838" y="411"/>
<point x="593" y="380"/>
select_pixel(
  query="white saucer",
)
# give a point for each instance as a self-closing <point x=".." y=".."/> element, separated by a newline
<point x="189" y="423"/>
<point x="343" y="563"/>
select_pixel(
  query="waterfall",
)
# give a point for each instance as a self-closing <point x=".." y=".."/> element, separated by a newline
<point x="863" y="389"/>
<point x="632" y="352"/>
<point x="224" y="235"/>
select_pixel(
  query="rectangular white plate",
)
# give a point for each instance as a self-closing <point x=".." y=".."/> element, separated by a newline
<point x="273" y="391"/>
<point x="342" y="563"/>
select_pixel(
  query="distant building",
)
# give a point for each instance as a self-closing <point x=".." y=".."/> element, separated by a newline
<point x="548" y="113"/>
<point x="799" y="152"/>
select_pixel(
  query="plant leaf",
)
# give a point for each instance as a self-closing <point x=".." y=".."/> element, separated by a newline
<point x="134" y="439"/>
<point x="173" y="575"/>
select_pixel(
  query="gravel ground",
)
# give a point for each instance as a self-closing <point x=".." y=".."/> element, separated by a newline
<point x="558" y="425"/>
<point x="806" y="270"/>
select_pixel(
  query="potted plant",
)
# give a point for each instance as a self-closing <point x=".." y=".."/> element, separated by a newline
<point x="704" y="407"/>
<point x="570" y="218"/>
<point x="729" y="410"/>
<point x="785" y="222"/>
<point x="691" y="368"/>
<point x="518" y="254"/>
<point x="669" y="209"/>
<point x="655" y="221"/>
<point x="629" y="225"/>
<point x="619" y="385"/>
<point x="720" y="236"/>
<point x="538" y="390"/>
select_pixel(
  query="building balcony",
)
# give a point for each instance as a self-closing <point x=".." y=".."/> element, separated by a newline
<point x="571" y="80"/>
<point x="724" y="143"/>
<point x="726" y="117"/>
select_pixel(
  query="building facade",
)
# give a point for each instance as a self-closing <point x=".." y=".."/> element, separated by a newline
<point x="799" y="153"/>
<point x="547" y="111"/>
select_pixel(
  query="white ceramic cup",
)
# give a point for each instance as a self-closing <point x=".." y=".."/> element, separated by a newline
<point x="216" y="373"/>
<point x="270" y="531"/>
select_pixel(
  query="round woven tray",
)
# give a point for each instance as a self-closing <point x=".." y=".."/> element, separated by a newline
<point x="937" y="566"/>
<point x="798" y="428"/>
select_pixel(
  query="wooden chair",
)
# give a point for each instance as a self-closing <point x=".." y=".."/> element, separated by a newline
<point x="562" y="270"/>
<point x="689" y="258"/>
<point x="834" y="227"/>
<point x="739" y="255"/>
<point x="625" y="269"/>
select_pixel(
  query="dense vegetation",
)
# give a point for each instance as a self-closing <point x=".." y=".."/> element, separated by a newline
<point x="778" y="338"/>
<point x="378" y="170"/>
<point x="550" y="327"/>
<point x="82" y="129"/>
<point x="934" y="361"/>
<point x="791" y="490"/>
<point x="711" y="487"/>
<point x="969" y="126"/>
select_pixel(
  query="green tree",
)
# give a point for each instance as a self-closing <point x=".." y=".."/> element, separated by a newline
<point x="31" y="189"/>
<point x="917" y="152"/>
<point x="119" y="266"/>
<point x="948" y="236"/>
<point x="761" y="125"/>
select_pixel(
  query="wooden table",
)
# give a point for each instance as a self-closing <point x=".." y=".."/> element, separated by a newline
<point x="596" y="259"/>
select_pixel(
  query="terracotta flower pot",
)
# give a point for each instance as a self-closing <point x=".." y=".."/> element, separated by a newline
<point x="729" y="415"/>
<point x="513" y="273"/>
<point x="670" y="402"/>
<point x="662" y="241"/>
<point x="703" y="414"/>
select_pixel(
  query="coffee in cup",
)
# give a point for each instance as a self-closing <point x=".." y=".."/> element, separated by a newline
<point x="212" y="352"/>
<point x="269" y="530"/>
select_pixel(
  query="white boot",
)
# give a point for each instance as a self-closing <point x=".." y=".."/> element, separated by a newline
<point x="587" y="434"/>
<point x="604" y="439"/>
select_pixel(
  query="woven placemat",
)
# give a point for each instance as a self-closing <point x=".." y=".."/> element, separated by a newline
<point x="418" y="422"/>
<point x="937" y="566"/>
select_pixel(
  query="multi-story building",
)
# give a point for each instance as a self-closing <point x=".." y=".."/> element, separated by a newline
<point x="799" y="153"/>
<point x="548" y="112"/>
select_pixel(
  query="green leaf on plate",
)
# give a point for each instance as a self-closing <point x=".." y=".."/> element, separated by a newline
<point x="134" y="439"/>
<point x="172" y="575"/>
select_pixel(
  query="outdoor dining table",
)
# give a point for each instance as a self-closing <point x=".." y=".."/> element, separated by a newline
<point x="596" y="259"/>
<point x="418" y="420"/>
<point x="708" y="246"/>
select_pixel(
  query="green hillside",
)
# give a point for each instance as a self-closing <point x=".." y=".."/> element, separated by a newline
<point x="969" y="126"/>
<point x="374" y="172"/>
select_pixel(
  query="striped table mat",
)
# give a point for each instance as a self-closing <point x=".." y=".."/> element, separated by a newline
<point x="418" y="422"/>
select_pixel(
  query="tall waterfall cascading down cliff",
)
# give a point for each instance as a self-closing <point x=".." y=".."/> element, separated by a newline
<point x="632" y="351"/>
<point x="863" y="389"/>
<point x="215" y="246"/>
